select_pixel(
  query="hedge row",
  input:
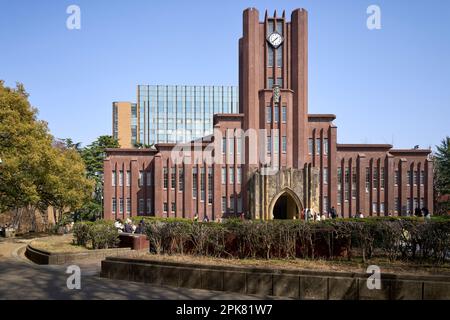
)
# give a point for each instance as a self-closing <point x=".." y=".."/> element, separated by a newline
<point x="404" y="238"/>
<point x="97" y="235"/>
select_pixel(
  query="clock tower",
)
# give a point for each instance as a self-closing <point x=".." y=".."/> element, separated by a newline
<point x="273" y="81"/>
<point x="273" y="84"/>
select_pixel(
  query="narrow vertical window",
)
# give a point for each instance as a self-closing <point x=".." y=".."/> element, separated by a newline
<point x="113" y="177"/>
<point x="284" y="114"/>
<point x="165" y="177"/>
<point x="202" y="184"/>
<point x="210" y="185"/>
<point x="269" y="144"/>
<point x="269" y="114"/>
<point x="270" y="53"/>
<point x="284" y="144"/>
<point x="194" y="182"/>
<point x="149" y="178"/>
<point x="277" y="114"/>
<point x="239" y="175"/>
<point x="128" y="205"/>
<point x="121" y="205"/>
<point x="396" y="178"/>
<point x="114" y="205"/>
<point x="367" y="179"/>
<point x="141" y="206"/>
<point x="128" y="178"/>
<point x="276" y="143"/>
<point x="231" y="171"/>
<point x="382" y="178"/>
<point x="121" y="178"/>
<point x="173" y="177"/>
<point x="318" y="146"/>
<point x="141" y="178"/>
<point x="310" y="145"/>
<point x="325" y="175"/>
<point x="339" y="178"/>
<point x="224" y="204"/>
<point x="325" y="146"/>
<point x="224" y="145"/>
<point x="149" y="206"/>
<point x="375" y="178"/>
<point x="325" y="204"/>
<point x="181" y="179"/>
<point x="224" y="175"/>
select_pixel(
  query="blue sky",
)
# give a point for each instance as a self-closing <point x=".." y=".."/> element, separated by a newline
<point x="388" y="85"/>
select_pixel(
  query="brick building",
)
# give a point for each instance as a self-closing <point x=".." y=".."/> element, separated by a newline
<point x="272" y="159"/>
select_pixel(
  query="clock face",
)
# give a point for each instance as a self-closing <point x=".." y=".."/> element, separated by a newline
<point x="275" y="39"/>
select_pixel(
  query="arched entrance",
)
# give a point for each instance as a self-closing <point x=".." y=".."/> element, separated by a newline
<point x="286" y="206"/>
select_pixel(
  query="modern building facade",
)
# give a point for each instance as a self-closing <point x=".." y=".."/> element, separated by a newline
<point x="168" y="114"/>
<point x="273" y="159"/>
<point x="124" y="124"/>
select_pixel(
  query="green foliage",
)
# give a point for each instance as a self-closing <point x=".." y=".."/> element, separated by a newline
<point x="394" y="238"/>
<point x="81" y="233"/>
<point x="99" y="234"/>
<point x="442" y="176"/>
<point x="35" y="172"/>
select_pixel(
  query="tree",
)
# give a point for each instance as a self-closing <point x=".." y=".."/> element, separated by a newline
<point x="442" y="176"/>
<point x="93" y="156"/>
<point x="34" y="173"/>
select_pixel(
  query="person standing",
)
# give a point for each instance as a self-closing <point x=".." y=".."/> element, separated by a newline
<point x="333" y="213"/>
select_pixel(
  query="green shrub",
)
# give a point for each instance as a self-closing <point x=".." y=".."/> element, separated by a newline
<point x="81" y="233"/>
<point x="100" y="234"/>
<point x="407" y="238"/>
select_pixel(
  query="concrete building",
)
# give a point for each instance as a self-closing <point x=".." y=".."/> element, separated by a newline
<point x="165" y="114"/>
<point x="273" y="159"/>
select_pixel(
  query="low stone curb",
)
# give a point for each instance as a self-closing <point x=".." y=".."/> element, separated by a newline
<point x="50" y="258"/>
<point x="298" y="284"/>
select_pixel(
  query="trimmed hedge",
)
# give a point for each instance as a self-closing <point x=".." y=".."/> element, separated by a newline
<point x="99" y="234"/>
<point x="394" y="238"/>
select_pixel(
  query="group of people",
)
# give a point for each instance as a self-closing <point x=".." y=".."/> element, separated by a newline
<point x="129" y="226"/>
<point x="424" y="212"/>
<point x="5" y="228"/>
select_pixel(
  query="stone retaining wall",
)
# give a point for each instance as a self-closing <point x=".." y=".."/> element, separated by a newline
<point x="282" y="283"/>
<point x="44" y="257"/>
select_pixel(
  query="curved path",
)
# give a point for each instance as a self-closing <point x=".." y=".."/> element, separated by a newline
<point x="22" y="279"/>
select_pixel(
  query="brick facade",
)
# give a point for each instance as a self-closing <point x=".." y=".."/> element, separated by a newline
<point x="312" y="170"/>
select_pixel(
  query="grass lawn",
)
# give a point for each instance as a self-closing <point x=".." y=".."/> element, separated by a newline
<point x="58" y="244"/>
<point x="356" y="265"/>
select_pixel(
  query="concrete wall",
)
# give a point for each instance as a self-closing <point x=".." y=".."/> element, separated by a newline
<point x="309" y="285"/>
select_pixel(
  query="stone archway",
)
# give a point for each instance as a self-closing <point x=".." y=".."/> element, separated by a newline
<point x="285" y="206"/>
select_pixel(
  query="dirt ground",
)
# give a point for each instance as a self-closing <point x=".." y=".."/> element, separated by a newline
<point x="396" y="267"/>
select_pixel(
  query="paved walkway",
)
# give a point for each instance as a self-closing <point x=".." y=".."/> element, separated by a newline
<point x="22" y="279"/>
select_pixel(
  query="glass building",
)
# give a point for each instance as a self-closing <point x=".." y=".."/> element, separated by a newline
<point x="180" y="113"/>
